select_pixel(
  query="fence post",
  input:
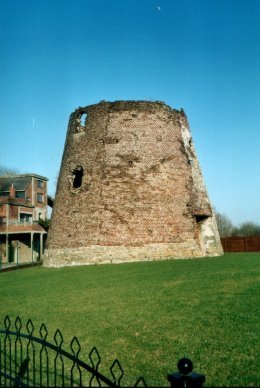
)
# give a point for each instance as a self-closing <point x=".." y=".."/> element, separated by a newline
<point x="245" y="243"/>
<point x="185" y="378"/>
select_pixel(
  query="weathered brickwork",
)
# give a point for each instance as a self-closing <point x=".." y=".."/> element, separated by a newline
<point x="130" y="188"/>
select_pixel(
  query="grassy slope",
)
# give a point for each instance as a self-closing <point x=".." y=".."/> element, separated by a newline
<point x="150" y="314"/>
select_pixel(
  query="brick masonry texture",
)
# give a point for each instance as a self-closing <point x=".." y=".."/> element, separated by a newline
<point x="130" y="188"/>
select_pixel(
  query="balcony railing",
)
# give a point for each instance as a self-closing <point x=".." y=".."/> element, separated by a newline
<point x="16" y="222"/>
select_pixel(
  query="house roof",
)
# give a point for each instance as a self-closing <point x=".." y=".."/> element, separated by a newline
<point x="20" y="182"/>
<point x="15" y="201"/>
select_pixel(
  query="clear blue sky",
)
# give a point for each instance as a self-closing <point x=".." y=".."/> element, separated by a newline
<point x="199" y="55"/>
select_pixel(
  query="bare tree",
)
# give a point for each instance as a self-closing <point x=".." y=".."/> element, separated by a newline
<point x="7" y="171"/>
<point x="247" y="229"/>
<point x="225" y="226"/>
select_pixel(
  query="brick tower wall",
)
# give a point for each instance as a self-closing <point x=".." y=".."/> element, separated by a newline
<point x="130" y="188"/>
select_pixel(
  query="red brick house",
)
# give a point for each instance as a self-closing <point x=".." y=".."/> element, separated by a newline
<point x="23" y="202"/>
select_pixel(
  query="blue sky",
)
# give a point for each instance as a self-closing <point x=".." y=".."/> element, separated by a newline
<point x="199" y="55"/>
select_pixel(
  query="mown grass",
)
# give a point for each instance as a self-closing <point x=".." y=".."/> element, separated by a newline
<point x="150" y="314"/>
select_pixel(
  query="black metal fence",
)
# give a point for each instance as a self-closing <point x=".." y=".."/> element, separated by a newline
<point x="30" y="361"/>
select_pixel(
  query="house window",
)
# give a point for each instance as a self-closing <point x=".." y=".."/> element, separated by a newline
<point x="20" y="194"/>
<point x="40" y="197"/>
<point x="40" y="184"/>
<point x="24" y="217"/>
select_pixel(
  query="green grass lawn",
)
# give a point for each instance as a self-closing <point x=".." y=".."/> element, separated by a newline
<point x="150" y="314"/>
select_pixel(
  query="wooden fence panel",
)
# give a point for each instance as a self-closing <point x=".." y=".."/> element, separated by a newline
<point x="253" y="244"/>
<point x="241" y="244"/>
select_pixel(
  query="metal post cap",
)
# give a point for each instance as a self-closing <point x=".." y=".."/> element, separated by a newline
<point x="185" y="366"/>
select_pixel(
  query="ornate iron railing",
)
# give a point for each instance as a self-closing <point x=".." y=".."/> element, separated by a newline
<point x="30" y="361"/>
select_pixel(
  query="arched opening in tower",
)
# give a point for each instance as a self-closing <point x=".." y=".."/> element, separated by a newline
<point x="83" y="119"/>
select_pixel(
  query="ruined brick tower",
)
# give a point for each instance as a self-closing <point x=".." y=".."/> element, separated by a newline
<point x="130" y="188"/>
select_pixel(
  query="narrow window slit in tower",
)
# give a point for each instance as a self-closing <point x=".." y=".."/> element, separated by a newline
<point x="77" y="177"/>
